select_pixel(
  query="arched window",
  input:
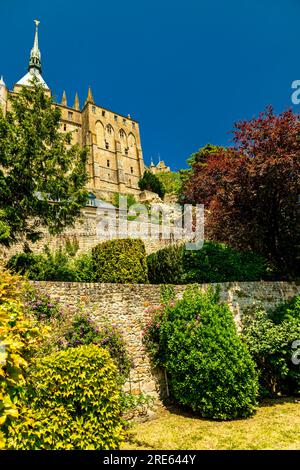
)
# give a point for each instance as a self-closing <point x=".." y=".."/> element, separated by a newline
<point x="109" y="129"/>
<point x="122" y="134"/>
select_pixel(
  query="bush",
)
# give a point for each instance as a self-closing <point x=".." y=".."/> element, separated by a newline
<point x="210" y="370"/>
<point x="215" y="262"/>
<point x="83" y="331"/>
<point x="271" y="346"/>
<point x="58" y="265"/>
<point x="165" y="266"/>
<point x="151" y="182"/>
<point x="19" y="337"/>
<point x="122" y="261"/>
<point x="287" y="311"/>
<point x="40" y="305"/>
<point x="72" y="402"/>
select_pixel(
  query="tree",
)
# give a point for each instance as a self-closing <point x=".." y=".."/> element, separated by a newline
<point x="150" y="182"/>
<point x="42" y="176"/>
<point x="251" y="190"/>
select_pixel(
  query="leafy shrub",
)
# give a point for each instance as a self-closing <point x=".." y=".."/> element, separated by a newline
<point x="151" y="182"/>
<point x="215" y="262"/>
<point x="122" y="261"/>
<point x="271" y="346"/>
<point x="210" y="370"/>
<point x="40" y="305"/>
<point x="72" y="401"/>
<point x="171" y="182"/>
<point x="83" y="331"/>
<point x="19" y="336"/>
<point x="166" y="266"/>
<point x="287" y="310"/>
<point x="61" y="264"/>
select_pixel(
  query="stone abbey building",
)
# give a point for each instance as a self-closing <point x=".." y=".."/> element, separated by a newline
<point x="115" y="153"/>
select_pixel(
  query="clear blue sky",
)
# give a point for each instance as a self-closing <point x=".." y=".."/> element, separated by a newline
<point x="185" y="69"/>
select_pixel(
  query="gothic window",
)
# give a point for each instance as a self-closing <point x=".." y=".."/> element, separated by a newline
<point x="122" y="134"/>
<point x="109" y="129"/>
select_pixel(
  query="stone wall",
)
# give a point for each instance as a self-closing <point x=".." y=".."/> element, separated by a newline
<point x="127" y="305"/>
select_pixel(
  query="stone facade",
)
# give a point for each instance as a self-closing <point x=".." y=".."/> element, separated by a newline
<point x="127" y="306"/>
<point x="115" y="153"/>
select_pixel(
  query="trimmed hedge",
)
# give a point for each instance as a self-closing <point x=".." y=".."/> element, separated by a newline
<point x="215" y="262"/>
<point x="72" y="402"/>
<point x="120" y="261"/>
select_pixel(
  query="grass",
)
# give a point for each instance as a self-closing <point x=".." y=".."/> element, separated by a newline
<point x="276" y="425"/>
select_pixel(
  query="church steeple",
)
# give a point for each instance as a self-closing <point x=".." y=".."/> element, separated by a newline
<point x="35" y="54"/>
<point x="76" y="102"/>
<point x="90" y="98"/>
<point x="64" y="99"/>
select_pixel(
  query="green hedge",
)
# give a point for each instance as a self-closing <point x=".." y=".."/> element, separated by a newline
<point x="209" y="368"/>
<point x="215" y="262"/>
<point x="120" y="261"/>
<point x="72" y="402"/>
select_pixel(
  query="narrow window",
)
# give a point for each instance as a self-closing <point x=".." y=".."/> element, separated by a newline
<point x="94" y="109"/>
<point x="124" y="122"/>
<point x="115" y="118"/>
<point x="103" y="112"/>
<point x="108" y="163"/>
<point x="131" y="169"/>
<point x="106" y="145"/>
<point x="126" y="151"/>
<point x="65" y="127"/>
<point x="109" y="129"/>
<point x="133" y="125"/>
<point x="70" y="116"/>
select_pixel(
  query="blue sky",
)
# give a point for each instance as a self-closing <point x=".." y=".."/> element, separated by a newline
<point x="186" y="70"/>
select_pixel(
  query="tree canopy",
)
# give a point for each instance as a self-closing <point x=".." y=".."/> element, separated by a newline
<point x="251" y="189"/>
<point x="42" y="176"/>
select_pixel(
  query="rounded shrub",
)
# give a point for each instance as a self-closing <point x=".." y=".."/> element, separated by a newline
<point x="209" y="368"/>
<point x="120" y="261"/>
<point x="72" y="401"/>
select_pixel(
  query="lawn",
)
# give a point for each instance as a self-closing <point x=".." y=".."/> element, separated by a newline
<point x="276" y="425"/>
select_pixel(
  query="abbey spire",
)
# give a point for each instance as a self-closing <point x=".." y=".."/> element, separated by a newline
<point x="35" y="64"/>
<point x="35" y="54"/>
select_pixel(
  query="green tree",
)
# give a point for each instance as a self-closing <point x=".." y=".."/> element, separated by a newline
<point x="42" y="176"/>
<point x="150" y="182"/>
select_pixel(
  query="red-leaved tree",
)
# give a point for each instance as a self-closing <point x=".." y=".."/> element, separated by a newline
<point x="251" y="190"/>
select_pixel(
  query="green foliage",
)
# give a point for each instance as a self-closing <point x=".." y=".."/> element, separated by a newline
<point x="120" y="261"/>
<point x="57" y="265"/>
<point x="151" y="182"/>
<point x="40" y="305"/>
<point x="171" y="182"/>
<point x="72" y="402"/>
<point x="166" y="266"/>
<point x="83" y="331"/>
<point x="270" y="345"/>
<point x="117" y="198"/>
<point x="287" y="310"/>
<point x="38" y="164"/>
<point x="209" y="368"/>
<point x="215" y="262"/>
<point x="19" y="337"/>
<point x="203" y="153"/>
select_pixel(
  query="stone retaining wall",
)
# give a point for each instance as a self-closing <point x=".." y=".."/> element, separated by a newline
<point x="126" y="306"/>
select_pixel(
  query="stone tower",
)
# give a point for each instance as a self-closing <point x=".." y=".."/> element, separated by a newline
<point x="115" y="153"/>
